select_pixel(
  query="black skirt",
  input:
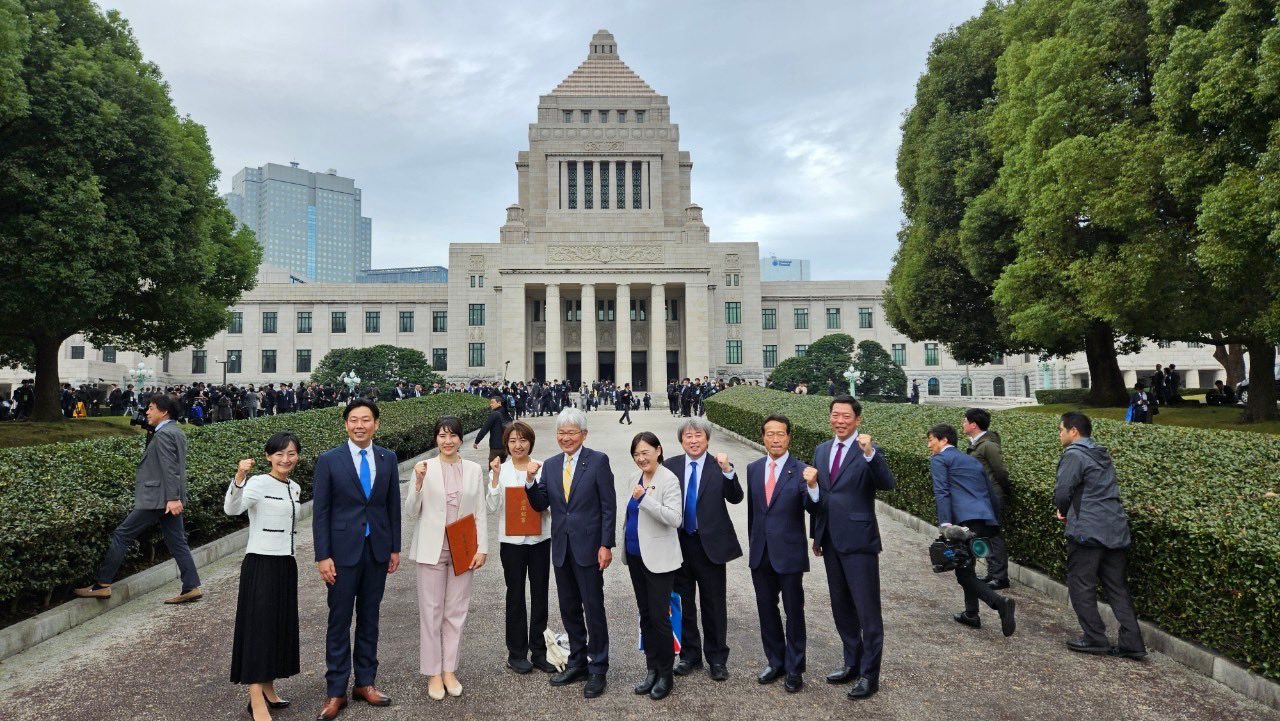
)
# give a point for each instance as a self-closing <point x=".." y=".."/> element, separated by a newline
<point x="265" y="645"/>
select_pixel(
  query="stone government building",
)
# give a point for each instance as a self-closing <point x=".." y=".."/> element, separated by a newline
<point x="604" y="269"/>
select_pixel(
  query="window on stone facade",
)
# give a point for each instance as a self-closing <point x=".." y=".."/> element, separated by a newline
<point x="622" y="116"/>
<point x="801" y="350"/>
<point x="373" y="321"/>
<point x="900" y="353"/>
<point x="1195" y="345"/>
<point x="440" y="359"/>
<point x="733" y="352"/>
<point x="268" y="361"/>
<point x="800" y="317"/>
<point x="475" y="314"/>
<point x="77" y="352"/>
<point x="303" y="362"/>
<point x="1164" y="344"/>
<point x="199" y="361"/>
<point x="475" y="355"/>
<point x="931" y="354"/>
<point x="439" y="321"/>
<point x="604" y="185"/>
<point x="108" y="354"/>
<point x="997" y="387"/>
<point x="934" y="387"/>
<point x="673" y="306"/>
<point x="966" y="386"/>
<point x="406" y="321"/>
<point x="269" y="322"/>
<point x="620" y="183"/>
<point x="635" y="178"/>
<point x="769" y="318"/>
<point x="535" y="309"/>
<point x="604" y="310"/>
<point x="477" y="281"/>
<point x="770" y="356"/>
<point x="572" y="310"/>
<point x="164" y="363"/>
<point x="586" y="116"/>
<point x="573" y="185"/>
<point x="997" y="359"/>
<point x="235" y="360"/>
<point x="833" y="318"/>
<point x="732" y="313"/>
<point x="638" y="307"/>
<point x="864" y="317"/>
<point x="304" y="321"/>
<point x="338" y="322"/>
<point x="568" y="116"/>
<point x="237" y="322"/>
<point x="639" y="116"/>
<point x="604" y="116"/>
<point x="588" y="182"/>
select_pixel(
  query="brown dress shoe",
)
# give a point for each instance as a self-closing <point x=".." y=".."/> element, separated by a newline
<point x="371" y="696"/>
<point x="94" y="591"/>
<point x="332" y="707"/>
<point x="194" y="594"/>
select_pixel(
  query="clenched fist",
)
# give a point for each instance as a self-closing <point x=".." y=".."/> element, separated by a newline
<point x="723" y="460"/>
<point x="811" y="476"/>
<point x="242" y="470"/>
<point x="495" y="467"/>
<point x="864" y="442"/>
<point x="533" y="470"/>
<point x="419" y="473"/>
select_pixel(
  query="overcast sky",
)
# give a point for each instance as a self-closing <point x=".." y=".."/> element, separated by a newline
<point x="791" y="110"/>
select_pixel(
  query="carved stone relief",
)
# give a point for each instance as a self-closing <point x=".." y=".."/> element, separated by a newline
<point x="603" y="147"/>
<point x="476" y="262"/>
<point x="732" y="260"/>
<point x="648" y="254"/>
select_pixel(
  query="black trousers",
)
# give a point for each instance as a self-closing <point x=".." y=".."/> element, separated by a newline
<point x="1086" y="566"/>
<point x="626" y="414"/>
<point x="853" y="579"/>
<point x="998" y="557"/>
<point x="580" y="590"/>
<point x="653" y="598"/>
<point x="967" y="577"/>
<point x="356" y="591"/>
<point x="699" y="576"/>
<point x="784" y="649"/>
<point x="175" y="539"/>
<point x="524" y="634"/>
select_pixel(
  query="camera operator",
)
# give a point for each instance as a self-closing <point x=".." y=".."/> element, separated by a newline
<point x="984" y="444"/>
<point x="962" y="497"/>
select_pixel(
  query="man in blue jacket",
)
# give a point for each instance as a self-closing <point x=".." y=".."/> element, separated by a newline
<point x="962" y="498"/>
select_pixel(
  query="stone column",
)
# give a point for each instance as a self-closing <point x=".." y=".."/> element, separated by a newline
<point x="555" y="346"/>
<point x="590" y="358"/>
<point x="512" y="338"/>
<point x="658" y="340"/>
<point x="622" y="349"/>
<point x="697" y="330"/>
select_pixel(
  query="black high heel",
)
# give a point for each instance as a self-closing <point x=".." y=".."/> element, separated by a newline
<point x="282" y="703"/>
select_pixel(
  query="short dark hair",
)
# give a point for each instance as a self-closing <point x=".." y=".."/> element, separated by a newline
<point x="166" y="404"/>
<point x="448" y="423"/>
<point x="1139" y="385"/>
<point x="846" y="398"/>
<point x="520" y="428"/>
<point x="1077" y="421"/>
<point x="648" y="437"/>
<point x="280" y="442"/>
<point x="776" y="417"/>
<point x="978" y="417"/>
<point x="360" y="403"/>
<point x="944" y="432"/>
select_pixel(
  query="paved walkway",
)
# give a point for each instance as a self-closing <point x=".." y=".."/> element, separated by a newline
<point x="148" y="661"/>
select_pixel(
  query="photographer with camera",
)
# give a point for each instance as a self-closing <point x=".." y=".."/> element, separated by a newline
<point x="963" y="500"/>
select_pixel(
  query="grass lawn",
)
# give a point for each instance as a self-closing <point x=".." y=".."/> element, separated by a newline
<point x="14" y="434"/>
<point x="1217" y="417"/>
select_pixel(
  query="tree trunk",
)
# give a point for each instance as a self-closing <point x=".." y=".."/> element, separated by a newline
<point x="1106" y="382"/>
<point x="47" y="400"/>
<point x="1262" y="390"/>
<point x="1232" y="359"/>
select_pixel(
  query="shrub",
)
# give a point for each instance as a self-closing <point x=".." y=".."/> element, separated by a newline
<point x="1062" y="395"/>
<point x="1202" y="505"/>
<point x="59" y="503"/>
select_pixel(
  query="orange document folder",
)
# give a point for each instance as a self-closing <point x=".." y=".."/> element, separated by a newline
<point x="462" y="543"/>
<point x="522" y="520"/>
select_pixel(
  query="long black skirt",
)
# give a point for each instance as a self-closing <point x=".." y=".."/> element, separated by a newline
<point x="265" y="645"/>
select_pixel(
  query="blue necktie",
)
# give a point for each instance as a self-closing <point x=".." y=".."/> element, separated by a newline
<point x="691" y="500"/>
<point x="366" y="480"/>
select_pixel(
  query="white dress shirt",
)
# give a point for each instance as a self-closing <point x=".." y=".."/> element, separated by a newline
<point x="355" y="459"/>
<point x="701" y="460"/>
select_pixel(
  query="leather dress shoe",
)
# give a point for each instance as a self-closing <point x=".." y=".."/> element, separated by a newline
<point x="282" y="703"/>
<point x="95" y="591"/>
<point x="542" y="664"/>
<point x="718" y="672"/>
<point x="646" y="685"/>
<point x="770" y="674"/>
<point x="1007" y="622"/>
<point x="1081" y="645"/>
<point x="965" y="619"/>
<point x="595" y="686"/>
<point x="1136" y="655"/>
<point x="794" y="682"/>
<point x="663" y="687"/>
<point x="999" y="585"/>
<point x="519" y="665"/>
<point x="569" y="675"/>
<point x="194" y="594"/>
<point x="684" y="668"/>
<point x="844" y="675"/>
<point x="863" y="688"/>
<point x="332" y="707"/>
<point x="371" y="696"/>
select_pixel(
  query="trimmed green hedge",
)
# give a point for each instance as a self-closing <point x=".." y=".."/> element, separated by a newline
<point x="1202" y="504"/>
<point x="59" y="503"/>
<point x="1051" y="396"/>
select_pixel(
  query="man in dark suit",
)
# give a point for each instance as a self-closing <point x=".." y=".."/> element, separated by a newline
<point x="577" y="485"/>
<point x="356" y="528"/>
<point x="708" y="542"/>
<point x="845" y="533"/>
<point x="779" y="491"/>
<point x="160" y="496"/>
<point x="493" y="427"/>
<point x="1140" y="403"/>
<point x="962" y="497"/>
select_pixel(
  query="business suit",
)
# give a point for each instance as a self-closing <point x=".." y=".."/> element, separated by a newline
<point x="161" y="477"/>
<point x="342" y="513"/>
<point x="706" y="550"/>
<point x="961" y="497"/>
<point x="848" y="535"/>
<point x="650" y="530"/>
<point x="580" y="525"/>
<point x="779" y="558"/>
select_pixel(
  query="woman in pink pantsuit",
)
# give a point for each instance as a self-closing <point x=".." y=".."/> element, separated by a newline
<point x="444" y="489"/>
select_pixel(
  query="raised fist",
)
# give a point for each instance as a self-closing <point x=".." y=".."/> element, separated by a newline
<point x="496" y="464"/>
<point x="811" y="476"/>
<point x="533" y="469"/>
<point x="723" y="460"/>
<point x="245" y="466"/>
<point x="419" y="473"/>
<point x="864" y="442"/>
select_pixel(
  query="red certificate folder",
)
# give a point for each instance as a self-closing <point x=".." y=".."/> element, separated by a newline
<point x="522" y="520"/>
<point x="462" y="543"/>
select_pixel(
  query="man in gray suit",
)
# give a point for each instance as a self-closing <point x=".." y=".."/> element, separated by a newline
<point x="160" y="494"/>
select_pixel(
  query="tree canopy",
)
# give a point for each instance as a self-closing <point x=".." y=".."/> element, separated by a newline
<point x="878" y="375"/>
<point x="381" y="365"/>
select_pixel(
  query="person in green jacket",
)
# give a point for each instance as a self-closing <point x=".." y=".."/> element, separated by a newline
<point x="984" y="444"/>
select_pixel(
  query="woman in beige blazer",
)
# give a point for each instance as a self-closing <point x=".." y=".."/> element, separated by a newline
<point x="444" y="489"/>
<point x="652" y="556"/>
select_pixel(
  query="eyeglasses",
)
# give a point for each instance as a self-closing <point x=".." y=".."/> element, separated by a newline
<point x="568" y="434"/>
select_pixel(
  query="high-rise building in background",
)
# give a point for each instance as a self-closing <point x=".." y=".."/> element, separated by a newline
<point x="309" y="223"/>
<point x="775" y="268"/>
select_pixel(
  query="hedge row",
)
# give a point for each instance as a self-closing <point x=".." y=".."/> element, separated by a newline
<point x="1203" y="506"/>
<point x="1050" y="396"/>
<point x="60" y="502"/>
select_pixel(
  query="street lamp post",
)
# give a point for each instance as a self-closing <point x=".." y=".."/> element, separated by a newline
<point x="230" y="357"/>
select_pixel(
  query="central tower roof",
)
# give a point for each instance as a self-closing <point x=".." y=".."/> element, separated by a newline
<point x="603" y="74"/>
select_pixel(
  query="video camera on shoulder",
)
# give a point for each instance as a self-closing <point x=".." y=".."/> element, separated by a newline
<point x="957" y="547"/>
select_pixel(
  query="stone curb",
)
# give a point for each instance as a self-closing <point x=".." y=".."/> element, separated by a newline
<point x="27" y="633"/>
<point x="1193" y="656"/>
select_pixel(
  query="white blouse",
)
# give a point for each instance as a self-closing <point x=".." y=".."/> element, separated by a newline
<point x="273" y="513"/>
<point x="496" y="500"/>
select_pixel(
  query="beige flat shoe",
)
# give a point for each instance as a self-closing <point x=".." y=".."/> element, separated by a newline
<point x="194" y="594"/>
<point x="91" y="592"/>
<point x="453" y="687"/>
<point x="435" y="688"/>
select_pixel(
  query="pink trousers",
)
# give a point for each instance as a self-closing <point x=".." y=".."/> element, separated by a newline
<point x="443" y="600"/>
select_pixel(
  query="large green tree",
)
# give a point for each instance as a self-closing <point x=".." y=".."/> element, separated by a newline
<point x="826" y="359"/>
<point x="109" y="216"/>
<point x="380" y="365"/>
<point x="878" y="375"/>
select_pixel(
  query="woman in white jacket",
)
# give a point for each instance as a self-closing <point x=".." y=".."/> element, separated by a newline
<point x="265" y="645"/>
<point x="444" y="489"/>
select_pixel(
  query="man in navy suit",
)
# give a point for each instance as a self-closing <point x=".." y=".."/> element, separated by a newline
<point x="779" y="491"/>
<point x="845" y="533"/>
<point x="356" y="528"/>
<point x="962" y="497"/>
<point x="708" y="542"/>
<point x="577" y="485"/>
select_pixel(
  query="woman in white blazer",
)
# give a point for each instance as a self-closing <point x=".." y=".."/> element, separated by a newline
<point x="522" y="556"/>
<point x="444" y="489"/>
<point x="265" y="645"/>
<point x="652" y="556"/>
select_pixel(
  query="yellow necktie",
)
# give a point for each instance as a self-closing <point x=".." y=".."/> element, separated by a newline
<point x="568" y="475"/>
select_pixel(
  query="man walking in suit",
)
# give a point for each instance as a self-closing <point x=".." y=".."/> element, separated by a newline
<point x="779" y="491"/>
<point x="845" y="533"/>
<point x="577" y="485"/>
<point x="708" y="542"/>
<point x="160" y="494"/>
<point x="356" y="528"/>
